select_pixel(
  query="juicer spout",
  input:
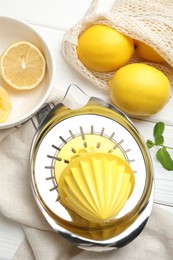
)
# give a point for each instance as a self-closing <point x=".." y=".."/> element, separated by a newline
<point x="75" y="97"/>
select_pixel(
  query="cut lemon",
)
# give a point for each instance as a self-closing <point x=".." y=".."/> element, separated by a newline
<point x="5" y="105"/>
<point x="23" y="65"/>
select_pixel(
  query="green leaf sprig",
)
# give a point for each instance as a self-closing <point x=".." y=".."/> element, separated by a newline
<point x="162" y="154"/>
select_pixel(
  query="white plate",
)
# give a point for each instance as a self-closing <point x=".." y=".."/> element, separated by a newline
<point x="27" y="102"/>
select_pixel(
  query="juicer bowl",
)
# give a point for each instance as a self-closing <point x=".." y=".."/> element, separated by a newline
<point x="66" y="134"/>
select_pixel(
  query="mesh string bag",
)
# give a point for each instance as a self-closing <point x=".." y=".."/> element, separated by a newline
<point x="149" y="21"/>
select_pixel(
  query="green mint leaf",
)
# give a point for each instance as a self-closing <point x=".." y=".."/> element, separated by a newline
<point x="159" y="140"/>
<point x="158" y="133"/>
<point x="158" y="128"/>
<point x="150" y="144"/>
<point x="165" y="159"/>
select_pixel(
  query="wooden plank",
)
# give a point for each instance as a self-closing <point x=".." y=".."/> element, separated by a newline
<point x="57" y="14"/>
<point x="54" y="14"/>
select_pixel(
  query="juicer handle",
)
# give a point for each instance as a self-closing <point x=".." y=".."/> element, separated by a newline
<point x="75" y="97"/>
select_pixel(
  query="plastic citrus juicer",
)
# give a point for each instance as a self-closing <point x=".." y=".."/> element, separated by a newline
<point x="91" y="174"/>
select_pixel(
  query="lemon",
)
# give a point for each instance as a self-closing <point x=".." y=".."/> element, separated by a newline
<point x="101" y="48"/>
<point x="22" y="65"/>
<point x="139" y="89"/>
<point x="148" y="53"/>
<point x="5" y="105"/>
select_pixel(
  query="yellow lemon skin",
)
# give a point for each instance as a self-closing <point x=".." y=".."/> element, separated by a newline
<point x="148" y="53"/>
<point x="101" y="48"/>
<point x="139" y="89"/>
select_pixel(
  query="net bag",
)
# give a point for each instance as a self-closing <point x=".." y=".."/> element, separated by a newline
<point x="149" y="21"/>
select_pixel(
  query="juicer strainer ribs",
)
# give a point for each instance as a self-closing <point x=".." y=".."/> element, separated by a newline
<point x="67" y="135"/>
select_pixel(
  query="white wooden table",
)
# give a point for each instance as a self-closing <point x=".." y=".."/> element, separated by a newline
<point x="51" y="18"/>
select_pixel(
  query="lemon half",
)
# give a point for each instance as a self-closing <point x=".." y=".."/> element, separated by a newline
<point x="5" y="105"/>
<point x="23" y="65"/>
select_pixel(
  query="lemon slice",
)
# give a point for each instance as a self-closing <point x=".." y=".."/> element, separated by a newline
<point x="23" y="65"/>
<point x="5" y="105"/>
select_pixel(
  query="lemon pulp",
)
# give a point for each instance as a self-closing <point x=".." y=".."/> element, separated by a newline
<point x="23" y="65"/>
<point x="5" y="105"/>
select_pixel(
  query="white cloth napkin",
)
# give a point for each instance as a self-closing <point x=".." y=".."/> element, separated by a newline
<point x="41" y="242"/>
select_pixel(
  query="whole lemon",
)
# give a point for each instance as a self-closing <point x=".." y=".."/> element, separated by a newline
<point x="101" y="48"/>
<point x="139" y="89"/>
<point x="148" y="53"/>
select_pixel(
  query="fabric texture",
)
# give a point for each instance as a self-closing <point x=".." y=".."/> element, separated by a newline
<point x="16" y="199"/>
<point x="149" y="21"/>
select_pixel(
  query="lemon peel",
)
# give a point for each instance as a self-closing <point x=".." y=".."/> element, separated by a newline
<point x="147" y="52"/>
<point x="101" y="48"/>
<point x="139" y="89"/>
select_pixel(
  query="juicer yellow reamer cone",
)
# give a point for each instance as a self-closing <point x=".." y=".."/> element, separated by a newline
<point x="96" y="186"/>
